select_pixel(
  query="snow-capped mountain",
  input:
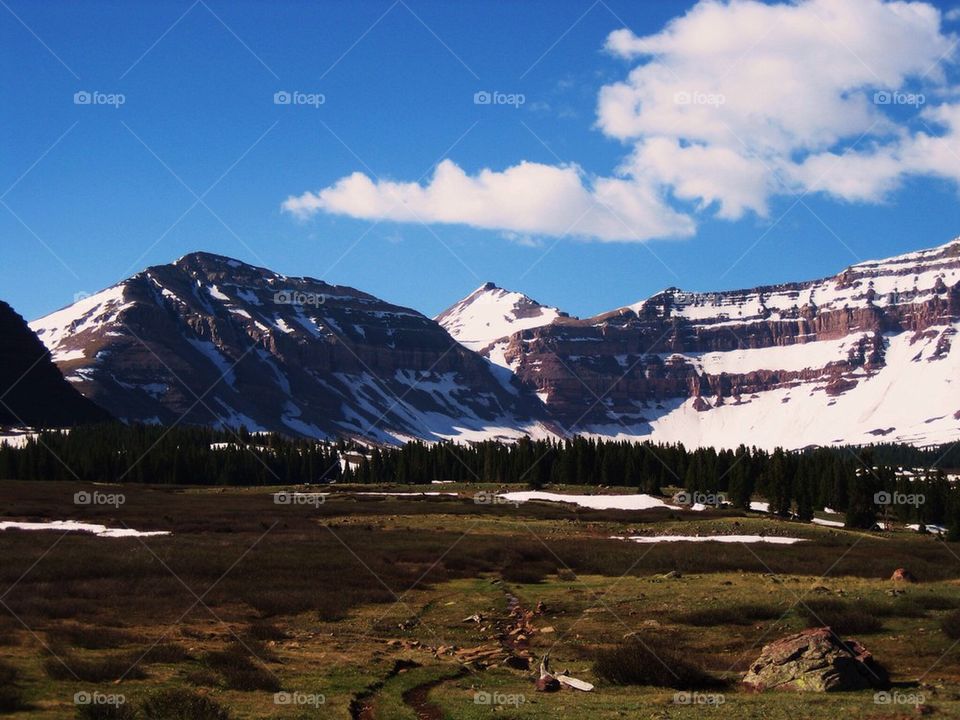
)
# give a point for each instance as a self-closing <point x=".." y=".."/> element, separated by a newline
<point x="863" y="356"/>
<point x="211" y="340"/>
<point x="490" y="313"/>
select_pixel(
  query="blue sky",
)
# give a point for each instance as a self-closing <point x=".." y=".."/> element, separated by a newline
<point x="92" y="193"/>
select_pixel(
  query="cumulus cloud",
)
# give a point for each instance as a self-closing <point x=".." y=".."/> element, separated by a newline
<point x="725" y="108"/>
<point x="526" y="199"/>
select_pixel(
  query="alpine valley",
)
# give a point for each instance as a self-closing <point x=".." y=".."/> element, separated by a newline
<point x="867" y="355"/>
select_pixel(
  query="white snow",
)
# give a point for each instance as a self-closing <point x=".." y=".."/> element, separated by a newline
<point x="930" y="528"/>
<point x="771" y="539"/>
<point x="885" y="406"/>
<point x="65" y="355"/>
<point x="402" y="494"/>
<point x="784" y="357"/>
<point x="282" y="324"/>
<point x="213" y="354"/>
<point x="74" y="526"/>
<point x="88" y="313"/>
<point x="18" y="439"/>
<point x="216" y="293"/>
<point x="827" y="523"/>
<point x="638" y="501"/>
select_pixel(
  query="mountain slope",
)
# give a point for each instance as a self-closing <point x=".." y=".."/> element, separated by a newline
<point x="211" y="340"/>
<point x="33" y="393"/>
<point x="865" y="355"/>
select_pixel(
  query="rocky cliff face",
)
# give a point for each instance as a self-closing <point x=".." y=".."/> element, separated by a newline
<point x="211" y="340"/>
<point x="33" y="393"/>
<point x="721" y="368"/>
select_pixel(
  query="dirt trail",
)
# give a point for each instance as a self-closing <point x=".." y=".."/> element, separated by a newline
<point x="509" y="647"/>
<point x="417" y="698"/>
<point x="361" y="707"/>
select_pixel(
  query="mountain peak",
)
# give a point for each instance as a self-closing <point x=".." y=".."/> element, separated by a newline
<point x="490" y="313"/>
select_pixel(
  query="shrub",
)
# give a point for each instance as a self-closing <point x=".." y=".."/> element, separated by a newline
<point x="166" y="652"/>
<point x="650" y="661"/>
<point x="89" y="638"/>
<point x="100" y="711"/>
<point x="8" y="635"/>
<point x="950" y="625"/>
<point x="841" y="617"/>
<point x="94" y="670"/>
<point x="11" y="697"/>
<point x="731" y="615"/>
<point x="263" y="630"/>
<point x="202" y="677"/>
<point x="936" y="602"/>
<point x="181" y="704"/>
<point x="240" y="671"/>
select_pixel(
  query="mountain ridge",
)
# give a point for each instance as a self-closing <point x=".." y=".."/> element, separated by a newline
<point x="846" y="353"/>
<point x="33" y="392"/>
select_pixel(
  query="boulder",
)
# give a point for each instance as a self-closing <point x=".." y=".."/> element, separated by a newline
<point x="547" y="683"/>
<point x="815" y="660"/>
<point x="903" y="575"/>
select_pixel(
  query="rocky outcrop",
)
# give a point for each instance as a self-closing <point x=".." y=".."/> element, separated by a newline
<point x="815" y="660"/>
<point x="903" y="575"/>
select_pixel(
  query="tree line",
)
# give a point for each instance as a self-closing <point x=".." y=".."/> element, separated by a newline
<point x="848" y="480"/>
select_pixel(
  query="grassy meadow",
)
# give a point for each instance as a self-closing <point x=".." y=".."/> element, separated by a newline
<point x="385" y="607"/>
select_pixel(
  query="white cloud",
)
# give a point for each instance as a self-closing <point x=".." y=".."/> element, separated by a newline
<point x="526" y="199"/>
<point x="727" y="106"/>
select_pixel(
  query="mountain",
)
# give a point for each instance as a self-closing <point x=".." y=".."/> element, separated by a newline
<point x="862" y="356"/>
<point x="490" y="313"/>
<point x="33" y="393"/>
<point x="211" y="340"/>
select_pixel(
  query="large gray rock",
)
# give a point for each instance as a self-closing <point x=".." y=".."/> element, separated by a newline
<point x="815" y="660"/>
